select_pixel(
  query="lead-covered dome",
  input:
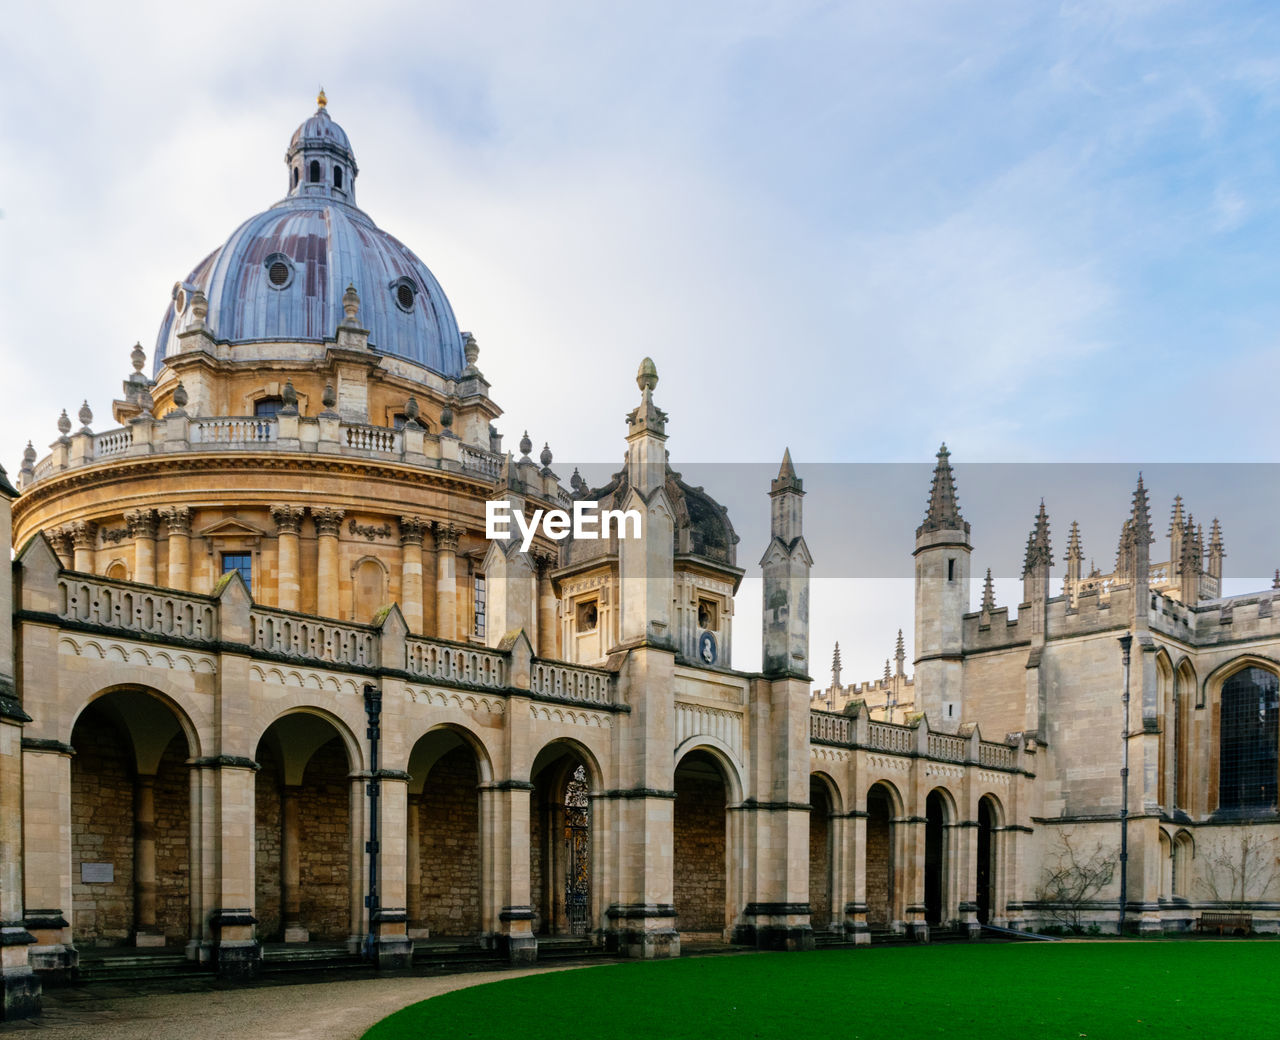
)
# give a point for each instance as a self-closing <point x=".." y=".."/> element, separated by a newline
<point x="282" y="273"/>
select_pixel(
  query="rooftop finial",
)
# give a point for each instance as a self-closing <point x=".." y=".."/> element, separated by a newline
<point x="321" y="100"/>
<point x="944" y="507"/>
<point x="835" y="667"/>
<point x="1074" y="550"/>
<point x="1038" y="551"/>
<point x="786" y="480"/>
<point x="988" y="594"/>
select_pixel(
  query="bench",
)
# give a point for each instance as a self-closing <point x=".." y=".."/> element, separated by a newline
<point x="1225" y="922"/>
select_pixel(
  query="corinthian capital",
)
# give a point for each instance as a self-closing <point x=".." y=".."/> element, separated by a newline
<point x="288" y="518"/>
<point x="447" y="536"/>
<point x="412" y="529"/>
<point x="178" y="518"/>
<point x="142" y="523"/>
<point x="84" y="534"/>
<point x="328" y="521"/>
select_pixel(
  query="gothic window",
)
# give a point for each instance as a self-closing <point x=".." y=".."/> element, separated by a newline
<point x="314" y="172"/>
<point x="478" y="607"/>
<point x="1250" y="713"/>
<point x="242" y="562"/>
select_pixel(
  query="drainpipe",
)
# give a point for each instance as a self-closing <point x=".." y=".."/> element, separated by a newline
<point x="373" y="709"/>
<point x="1126" y="641"/>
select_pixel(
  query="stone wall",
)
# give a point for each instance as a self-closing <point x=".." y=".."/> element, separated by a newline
<point x="450" y="832"/>
<point x="266" y="864"/>
<point x="819" y="857"/>
<point x="879" y="861"/>
<point x="173" y="843"/>
<point x="324" y="844"/>
<point x="699" y="859"/>
<point x="101" y="830"/>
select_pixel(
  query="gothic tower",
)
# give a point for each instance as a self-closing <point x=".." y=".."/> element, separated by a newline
<point x="942" y="597"/>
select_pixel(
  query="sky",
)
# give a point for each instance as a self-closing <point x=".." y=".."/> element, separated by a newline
<point x="1044" y="233"/>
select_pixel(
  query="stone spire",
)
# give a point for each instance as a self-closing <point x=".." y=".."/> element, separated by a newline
<point x="786" y="563"/>
<point x="1075" y="561"/>
<point x="1038" y="550"/>
<point x="943" y="513"/>
<point x="1190" y="562"/>
<point x="1216" y="550"/>
<point x="1140" y="519"/>
<point x="900" y="655"/>
<point x="835" y="668"/>
<point x="1176" y="525"/>
<point x="888" y="671"/>
<point x="988" y="594"/>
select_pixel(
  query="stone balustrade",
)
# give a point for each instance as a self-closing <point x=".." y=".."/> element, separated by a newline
<point x="278" y="433"/>
<point x="446" y="662"/>
<point x="857" y="731"/>
<point x="571" y="683"/>
<point x="130" y="608"/>
<point x="313" y="639"/>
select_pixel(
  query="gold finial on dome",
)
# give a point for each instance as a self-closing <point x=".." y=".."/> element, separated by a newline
<point x="321" y="100"/>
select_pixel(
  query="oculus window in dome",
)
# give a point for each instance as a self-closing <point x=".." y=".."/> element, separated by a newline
<point x="282" y="273"/>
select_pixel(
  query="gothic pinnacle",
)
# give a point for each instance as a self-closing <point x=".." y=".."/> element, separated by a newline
<point x="988" y="594"/>
<point x="1074" y="549"/>
<point x="1140" y="521"/>
<point x="1038" y="549"/>
<point x="944" y="506"/>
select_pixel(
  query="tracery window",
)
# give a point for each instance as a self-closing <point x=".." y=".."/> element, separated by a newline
<point x="1249" y="732"/>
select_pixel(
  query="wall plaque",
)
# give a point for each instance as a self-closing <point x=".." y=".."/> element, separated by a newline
<point x="97" y="873"/>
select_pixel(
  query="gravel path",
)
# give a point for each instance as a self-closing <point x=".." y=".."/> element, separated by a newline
<point x="326" y="1010"/>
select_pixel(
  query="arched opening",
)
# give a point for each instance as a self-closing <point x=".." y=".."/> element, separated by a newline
<point x="313" y="173"/>
<point x="700" y="848"/>
<point x="337" y="177"/>
<point x="444" y="896"/>
<point x="935" y="857"/>
<point x="560" y="867"/>
<point x="986" y="887"/>
<point x="1166" y="866"/>
<point x="302" y="867"/>
<point x="1247" y="762"/>
<point x="369" y="589"/>
<point x="117" y="570"/>
<point x="879" y="858"/>
<point x="295" y="176"/>
<point x="820" y="856"/>
<point x="130" y="823"/>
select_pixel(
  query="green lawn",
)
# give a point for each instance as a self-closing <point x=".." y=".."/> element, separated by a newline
<point x="1096" y="990"/>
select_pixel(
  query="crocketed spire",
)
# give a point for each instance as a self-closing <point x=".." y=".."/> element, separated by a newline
<point x="988" y="594"/>
<point x="943" y="513"/>
<point x="1038" y="550"/>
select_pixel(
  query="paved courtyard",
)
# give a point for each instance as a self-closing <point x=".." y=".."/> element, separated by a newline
<point x="333" y="1010"/>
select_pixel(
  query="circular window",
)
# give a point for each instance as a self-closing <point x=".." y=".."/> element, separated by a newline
<point x="404" y="296"/>
<point x="180" y="301"/>
<point x="278" y="273"/>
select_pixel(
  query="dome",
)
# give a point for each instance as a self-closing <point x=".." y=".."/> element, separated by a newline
<point x="282" y="273"/>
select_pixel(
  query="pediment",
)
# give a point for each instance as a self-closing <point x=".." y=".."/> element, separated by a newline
<point x="231" y="528"/>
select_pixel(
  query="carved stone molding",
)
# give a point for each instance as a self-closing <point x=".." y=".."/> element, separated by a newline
<point x="61" y="539"/>
<point x="142" y="523"/>
<point x="369" y="532"/>
<point x="288" y="518"/>
<point x="178" y="518"/>
<point x="328" y="521"/>
<point x="412" y="529"/>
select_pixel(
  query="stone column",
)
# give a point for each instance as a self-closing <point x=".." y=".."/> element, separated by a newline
<point x="447" y="581"/>
<point x="84" y="536"/>
<point x="290" y="867"/>
<point x="179" y="520"/>
<point x="142" y="527"/>
<point x="144" y="863"/>
<point x="46" y="827"/>
<point x="547" y="642"/>
<point x="328" y="521"/>
<point x="412" y="529"/>
<point x="413" y="868"/>
<point x="288" y="580"/>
